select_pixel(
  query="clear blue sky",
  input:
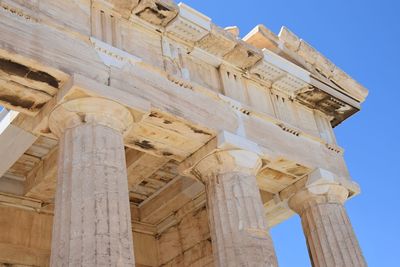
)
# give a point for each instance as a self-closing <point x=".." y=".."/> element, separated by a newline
<point x="363" y="38"/>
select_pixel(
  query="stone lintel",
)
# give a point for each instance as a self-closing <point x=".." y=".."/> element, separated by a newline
<point x="81" y="86"/>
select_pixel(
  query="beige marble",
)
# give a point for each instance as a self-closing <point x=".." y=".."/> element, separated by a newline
<point x="330" y="238"/>
<point x="239" y="231"/>
<point x="92" y="224"/>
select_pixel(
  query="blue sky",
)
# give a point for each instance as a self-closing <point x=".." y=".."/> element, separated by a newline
<point x="363" y="38"/>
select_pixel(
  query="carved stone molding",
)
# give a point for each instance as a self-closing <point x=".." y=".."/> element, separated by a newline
<point x="88" y="110"/>
<point x="190" y="25"/>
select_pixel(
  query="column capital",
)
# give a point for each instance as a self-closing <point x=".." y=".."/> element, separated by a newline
<point x="318" y="200"/>
<point x="227" y="152"/>
<point x="320" y="186"/>
<point x="227" y="161"/>
<point x="97" y="110"/>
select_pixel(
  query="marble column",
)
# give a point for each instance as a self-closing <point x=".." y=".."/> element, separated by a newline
<point x="92" y="222"/>
<point x="239" y="231"/>
<point x="330" y="237"/>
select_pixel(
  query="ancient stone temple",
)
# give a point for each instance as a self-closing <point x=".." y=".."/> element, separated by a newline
<point x="139" y="133"/>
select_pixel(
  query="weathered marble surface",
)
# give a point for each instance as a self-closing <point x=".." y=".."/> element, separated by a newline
<point x="239" y="231"/>
<point x="92" y="224"/>
<point x="331" y="240"/>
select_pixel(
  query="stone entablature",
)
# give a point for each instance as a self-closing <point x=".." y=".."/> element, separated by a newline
<point x="294" y="81"/>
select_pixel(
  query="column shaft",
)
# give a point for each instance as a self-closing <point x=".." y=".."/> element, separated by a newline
<point x="92" y="223"/>
<point x="330" y="237"/>
<point x="238" y="226"/>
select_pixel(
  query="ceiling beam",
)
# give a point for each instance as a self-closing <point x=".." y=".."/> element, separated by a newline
<point x="14" y="141"/>
<point x="140" y="166"/>
<point x="171" y="198"/>
<point x="41" y="181"/>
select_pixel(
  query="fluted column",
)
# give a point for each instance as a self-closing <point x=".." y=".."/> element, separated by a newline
<point x="239" y="231"/>
<point x="330" y="237"/>
<point x="92" y="223"/>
